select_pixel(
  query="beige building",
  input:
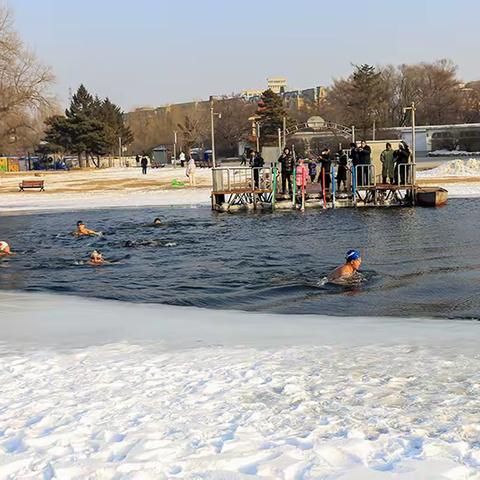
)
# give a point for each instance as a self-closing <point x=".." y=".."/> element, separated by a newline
<point x="277" y="84"/>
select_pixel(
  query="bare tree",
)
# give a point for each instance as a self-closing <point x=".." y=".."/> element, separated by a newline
<point x="24" y="84"/>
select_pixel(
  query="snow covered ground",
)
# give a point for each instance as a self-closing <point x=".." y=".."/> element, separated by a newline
<point x="105" y="390"/>
<point x="450" y="153"/>
<point x="454" y="168"/>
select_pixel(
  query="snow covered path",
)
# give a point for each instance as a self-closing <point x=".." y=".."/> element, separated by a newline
<point x="126" y="411"/>
<point x="106" y="390"/>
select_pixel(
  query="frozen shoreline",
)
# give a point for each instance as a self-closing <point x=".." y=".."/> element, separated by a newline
<point x="112" y="188"/>
<point x="104" y="389"/>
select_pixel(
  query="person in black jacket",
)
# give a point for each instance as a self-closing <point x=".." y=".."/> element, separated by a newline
<point x="257" y="163"/>
<point x="364" y="157"/>
<point x="401" y="156"/>
<point x="326" y="159"/>
<point x="342" y="170"/>
<point x="144" y="164"/>
<point x="287" y="164"/>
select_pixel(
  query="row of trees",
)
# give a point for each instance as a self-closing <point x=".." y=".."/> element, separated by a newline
<point x="370" y="94"/>
<point x="192" y="124"/>
<point x="90" y="128"/>
<point x="25" y="84"/>
<point x="380" y="93"/>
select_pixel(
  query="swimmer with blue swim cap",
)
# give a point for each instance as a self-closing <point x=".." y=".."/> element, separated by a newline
<point x="353" y="260"/>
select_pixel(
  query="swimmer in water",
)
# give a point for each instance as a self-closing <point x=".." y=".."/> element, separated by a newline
<point x="348" y="269"/>
<point x="96" y="258"/>
<point x="82" y="230"/>
<point x="5" y="249"/>
<point x="157" y="221"/>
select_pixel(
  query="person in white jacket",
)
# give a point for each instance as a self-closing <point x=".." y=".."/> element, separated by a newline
<point x="190" y="172"/>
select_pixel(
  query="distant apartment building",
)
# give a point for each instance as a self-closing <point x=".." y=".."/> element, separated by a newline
<point x="277" y="85"/>
<point x="292" y="98"/>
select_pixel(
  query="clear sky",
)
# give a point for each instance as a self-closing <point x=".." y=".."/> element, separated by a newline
<point x="152" y="52"/>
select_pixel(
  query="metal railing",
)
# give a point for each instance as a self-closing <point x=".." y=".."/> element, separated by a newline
<point x="234" y="179"/>
<point x="364" y="176"/>
<point x="405" y="174"/>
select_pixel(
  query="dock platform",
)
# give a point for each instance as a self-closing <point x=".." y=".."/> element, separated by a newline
<point x="244" y="188"/>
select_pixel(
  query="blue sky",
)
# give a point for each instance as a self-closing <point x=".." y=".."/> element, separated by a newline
<point x="147" y="52"/>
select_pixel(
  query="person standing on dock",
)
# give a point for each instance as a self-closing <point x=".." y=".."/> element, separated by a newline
<point x="401" y="156"/>
<point x="326" y="159"/>
<point x="301" y="179"/>
<point x="287" y="164"/>
<point x="342" y="170"/>
<point x="257" y="163"/>
<point x="388" y="167"/>
<point x="364" y="157"/>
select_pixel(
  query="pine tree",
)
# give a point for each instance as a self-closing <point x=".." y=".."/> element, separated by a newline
<point x="271" y="113"/>
<point x="91" y="128"/>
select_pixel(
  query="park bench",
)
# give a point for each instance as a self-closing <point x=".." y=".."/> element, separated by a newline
<point x="32" y="184"/>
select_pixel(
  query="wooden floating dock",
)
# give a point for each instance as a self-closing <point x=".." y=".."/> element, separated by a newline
<point x="244" y="188"/>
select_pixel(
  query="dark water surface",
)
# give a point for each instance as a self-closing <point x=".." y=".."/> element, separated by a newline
<point x="417" y="261"/>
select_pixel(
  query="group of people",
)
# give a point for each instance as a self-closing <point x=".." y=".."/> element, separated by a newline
<point x="315" y="170"/>
<point x="319" y="170"/>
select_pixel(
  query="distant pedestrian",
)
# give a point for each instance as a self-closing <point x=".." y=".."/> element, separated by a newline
<point x="182" y="158"/>
<point x="245" y="156"/>
<point x="287" y="164"/>
<point x="144" y="164"/>
<point x="137" y="159"/>
<point x="388" y="166"/>
<point x="191" y="172"/>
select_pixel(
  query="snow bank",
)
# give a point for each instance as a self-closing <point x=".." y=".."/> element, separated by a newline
<point x="454" y="168"/>
<point x="98" y="389"/>
<point x="14" y="202"/>
<point x="451" y="153"/>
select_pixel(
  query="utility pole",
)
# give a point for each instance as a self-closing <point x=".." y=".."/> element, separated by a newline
<point x="284" y="131"/>
<point x="279" y="141"/>
<point x="120" y="147"/>
<point x="212" y="127"/>
<point x="174" y="149"/>
<point x="373" y="130"/>
<point x="258" y="136"/>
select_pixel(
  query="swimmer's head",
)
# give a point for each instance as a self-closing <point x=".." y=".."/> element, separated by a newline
<point x="80" y="222"/>
<point x="354" y="258"/>
<point x="96" y="256"/>
<point x="157" y="221"/>
<point x="4" y="248"/>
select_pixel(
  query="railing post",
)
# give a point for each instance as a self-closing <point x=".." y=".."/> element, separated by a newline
<point x="274" y="185"/>
<point x="324" y="193"/>
<point x="332" y="175"/>
<point x="294" y="186"/>
<point x="354" y="185"/>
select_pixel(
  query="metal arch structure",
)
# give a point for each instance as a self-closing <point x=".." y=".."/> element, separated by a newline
<point x="325" y="127"/>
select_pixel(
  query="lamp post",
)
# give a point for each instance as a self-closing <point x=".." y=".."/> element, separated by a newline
<point x="412" y="109"/>
<point x="213" y="114"/>
<point x="257" y="124"/>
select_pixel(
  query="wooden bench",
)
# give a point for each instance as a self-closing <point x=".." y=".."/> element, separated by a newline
<point x="32" y="184"/>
